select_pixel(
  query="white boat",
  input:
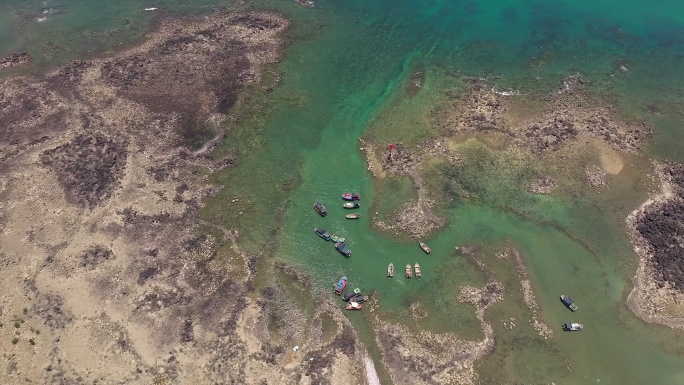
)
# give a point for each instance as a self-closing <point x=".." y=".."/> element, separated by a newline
<point x="572" y="327"/>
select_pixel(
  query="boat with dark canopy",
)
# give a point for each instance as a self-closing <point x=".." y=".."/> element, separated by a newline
<point x="343" y="249"/>
<point x="568" y="302"/>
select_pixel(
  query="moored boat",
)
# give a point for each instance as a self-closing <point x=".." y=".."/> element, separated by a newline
<point x="390" y="270"/>
<point x="341" y="284"/>
<point x="322" y="233"/>
<point x="352" y="294"/>
<point x="343" y="249"/>
<point x="572" y="327"/>
<point x="353" y="216"/>
<point x="425" y="248"/>
<point x="353" y="196"/>
<point x="320" y="209"/>
<point x="568" y="302"/>
<point x="417" y="270"/>
<point x="408" y="270"/>
<point x="360" y="298"/>
<point x="334" y="238"/>
<point x="351" y="205"/>
<point x="353" y="306"/>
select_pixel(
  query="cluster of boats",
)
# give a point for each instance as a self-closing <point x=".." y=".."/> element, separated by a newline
<point x="352" y="202"/>
<point x="409" y="271"/>
<point x="570" y="304"/>
<point x="340" y="245"/>
<point x="353" y="298"/>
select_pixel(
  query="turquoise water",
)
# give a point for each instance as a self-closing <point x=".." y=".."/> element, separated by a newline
<point x="344" y="77"/>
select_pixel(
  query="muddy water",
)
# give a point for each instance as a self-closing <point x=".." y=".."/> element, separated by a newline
<point x="345" y="76"/>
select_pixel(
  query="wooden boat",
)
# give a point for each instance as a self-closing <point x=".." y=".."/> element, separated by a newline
<point x="425" y="248"/>
<point x="572" y="327"/>
<point x="351" y="205"/>
<point x="341" y="284"/>
<point x="417" y="270"/>
<point x="353" y="216"/>
<point x="408" y="270"/>
<point x="353" y="306"/>
<point x="390" y="270"/>
<point x="334" y="238"/>
<point x="567" y="301"/>
<point x="353" y="196"/>
<point x="320" y="209"/>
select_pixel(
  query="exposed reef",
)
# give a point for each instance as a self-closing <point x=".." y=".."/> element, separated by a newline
<point x="545" y="185"/>
<point x="415" y="219"/>
<point x="14" y="60"/>
<point x="658" y="238"/>
<point x="556" y="120"/>
<point x="541" y="125"/>
<point x="104" y="270"/>
<point x="437" y="358"/>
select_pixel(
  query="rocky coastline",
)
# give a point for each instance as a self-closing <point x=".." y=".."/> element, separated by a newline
<point x="415" y="219"/>
<point x="105" y="269"/>
<point x="437" y="357"/>
<point x="556" y="120"/>
<point x="658" y="239"/>
<point x="14" y="60"/>
<point x="539" y="125"/>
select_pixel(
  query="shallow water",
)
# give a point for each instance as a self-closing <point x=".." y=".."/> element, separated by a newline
<point x="345" y="74"/>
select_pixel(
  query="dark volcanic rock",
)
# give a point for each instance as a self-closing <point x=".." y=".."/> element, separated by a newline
<point x="95" y="255"/>
<point x="662" y="226"/>
<point x="89" y="167"/>
<point x="14" y="60"/>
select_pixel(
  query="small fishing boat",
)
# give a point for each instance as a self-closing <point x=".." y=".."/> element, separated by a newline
<point x="351" y="205"/>
<point x="343" y="249"/>
<point x="568" y="302"/>
<point x="360" y="298"/>
<point x="572" y="327"/>
<point x="425" y="248"/>
<point x="351" y="294"/>
<point x="353" y="196"/>
<point x="417" y="270"/>
<point x="408" y="270"/>
<point x="334" y="238"/>
<point x="353" y="216"/>
<point x="353" y="306"/>
<point x="342" y="240"/>
<point x="320" y="209"/>
<point x="322" y="233"/>
<point x="341" y="284"/>
<point x="390" y="270"/>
